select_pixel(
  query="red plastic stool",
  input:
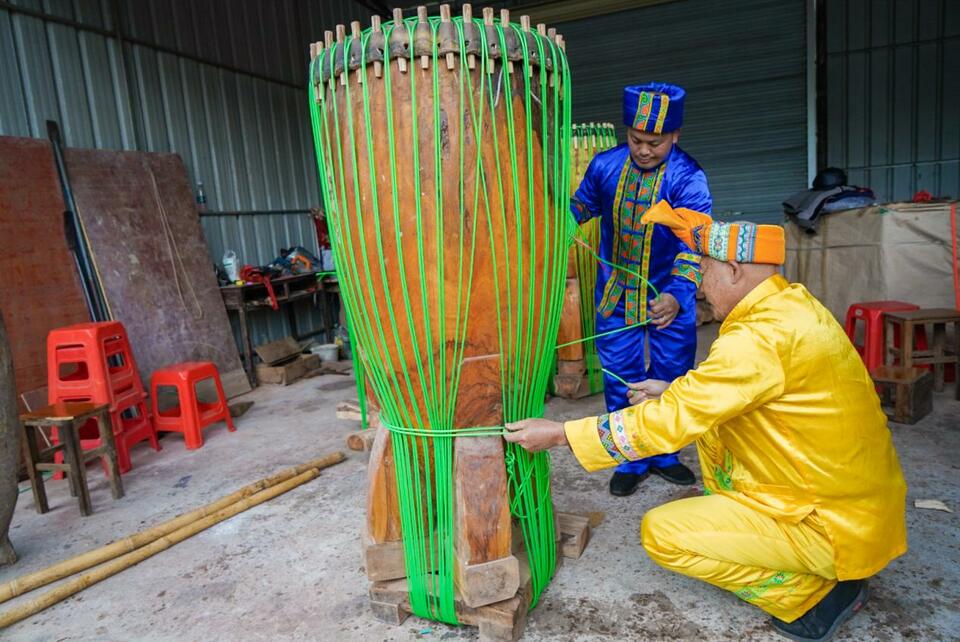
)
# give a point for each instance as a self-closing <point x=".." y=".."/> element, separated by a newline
<point x="93" y="362"/>
<point x="192" y="415"/>
<point x="871" y="313"/>
<point x="131" y="425"/>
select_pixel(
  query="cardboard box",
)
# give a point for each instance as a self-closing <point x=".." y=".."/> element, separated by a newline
<point x="286" y="373"/>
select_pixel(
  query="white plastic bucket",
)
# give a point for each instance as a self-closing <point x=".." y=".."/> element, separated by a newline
<point x="327" y="352"/>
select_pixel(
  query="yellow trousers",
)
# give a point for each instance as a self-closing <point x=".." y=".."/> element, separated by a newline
<point x="784" y="569"/>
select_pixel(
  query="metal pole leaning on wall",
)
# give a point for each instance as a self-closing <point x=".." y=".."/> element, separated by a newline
<point x="76" y="241"/>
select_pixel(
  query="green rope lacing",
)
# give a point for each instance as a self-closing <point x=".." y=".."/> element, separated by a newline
<point x="591" y="139"/>
<point x="418" y="401"/>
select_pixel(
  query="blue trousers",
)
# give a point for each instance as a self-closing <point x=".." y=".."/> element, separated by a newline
<point x="672" y="352"/>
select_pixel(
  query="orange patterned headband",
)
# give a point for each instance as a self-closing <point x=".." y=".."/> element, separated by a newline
<point x="741" y="241"/>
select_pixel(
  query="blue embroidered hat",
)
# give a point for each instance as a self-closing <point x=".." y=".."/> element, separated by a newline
<point x="655" y="107"/>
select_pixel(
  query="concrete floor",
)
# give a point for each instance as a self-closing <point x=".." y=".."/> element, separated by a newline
<point x="291" y="568"/>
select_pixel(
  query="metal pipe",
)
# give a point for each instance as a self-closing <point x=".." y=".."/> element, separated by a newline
<point x="75" y="241"/>
<point x="257" y="212"/>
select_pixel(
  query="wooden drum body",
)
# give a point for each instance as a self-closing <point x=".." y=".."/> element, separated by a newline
<point x="442" y="146"/>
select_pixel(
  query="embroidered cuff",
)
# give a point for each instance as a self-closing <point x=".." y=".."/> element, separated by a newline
<point x="586" y="439"/>
<point x="579" y="210"/>
<point x="688" y="272"/>
<point x="687" y="265"/>
<point x="619" y="432"/>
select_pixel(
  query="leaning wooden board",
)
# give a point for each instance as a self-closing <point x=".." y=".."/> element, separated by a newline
<point x="40" y="289"/>
<point x="144" y="233"/>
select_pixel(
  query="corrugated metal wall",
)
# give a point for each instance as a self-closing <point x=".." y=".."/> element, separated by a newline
<point x="743" y="65"/>
<point x="220" y="82"/>
<point x="893" y="92"/>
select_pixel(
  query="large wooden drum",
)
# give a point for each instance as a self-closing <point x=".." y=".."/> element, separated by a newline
<point x="443" y="150"/>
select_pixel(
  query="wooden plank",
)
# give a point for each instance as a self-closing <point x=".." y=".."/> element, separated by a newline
<point x="276" y="352"/>
<point x="62" y="412"/>
<point x="139" y="217"/>
<point x="40" y="289"/>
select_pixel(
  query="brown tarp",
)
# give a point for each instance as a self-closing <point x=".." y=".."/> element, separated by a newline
<point x="898" y="251"/>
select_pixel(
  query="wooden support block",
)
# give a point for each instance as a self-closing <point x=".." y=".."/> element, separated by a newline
<point x="503" y="621"/>
<point x="485" y="571"/>
<point x="383" y="560"/>
<point x="487" y="583"/>
<point x="574" y="534"/>
<point x="383" y="549"/>
<point x="389" y="613"/>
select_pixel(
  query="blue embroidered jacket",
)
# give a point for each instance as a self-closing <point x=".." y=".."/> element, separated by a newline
<point x="619" y="192"/>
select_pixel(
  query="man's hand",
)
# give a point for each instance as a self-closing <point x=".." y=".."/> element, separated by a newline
<point x="663" y="310"/>
<point x="536" y="434"/>
<point x="644" y="390"/>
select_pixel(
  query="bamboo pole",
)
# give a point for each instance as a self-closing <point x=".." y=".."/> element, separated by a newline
<point x="114" y="566"/>
<point x="97" y="556"/>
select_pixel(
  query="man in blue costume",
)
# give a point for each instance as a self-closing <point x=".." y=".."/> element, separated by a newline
<point x="619" y="186"/>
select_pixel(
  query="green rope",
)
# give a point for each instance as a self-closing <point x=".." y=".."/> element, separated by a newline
<point x="592" y="139"/>
<point x="411" y="347"/>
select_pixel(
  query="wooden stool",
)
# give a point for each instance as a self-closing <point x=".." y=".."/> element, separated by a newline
<point x="908" y="390"/>
<point x="68" y="418"/>
<point x="937" y="355"/>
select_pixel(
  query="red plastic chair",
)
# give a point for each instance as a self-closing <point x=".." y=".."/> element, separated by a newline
<point x="191" y="416"/>
<point x="873" y="349"/>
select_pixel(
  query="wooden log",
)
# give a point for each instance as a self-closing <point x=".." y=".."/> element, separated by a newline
<point x="361" y="440"/>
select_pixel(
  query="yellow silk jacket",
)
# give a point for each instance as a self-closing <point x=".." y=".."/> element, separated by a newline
<point x="786" y="420"/>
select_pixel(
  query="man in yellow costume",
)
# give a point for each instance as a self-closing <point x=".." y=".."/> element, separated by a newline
<point x="804" y="496"/>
